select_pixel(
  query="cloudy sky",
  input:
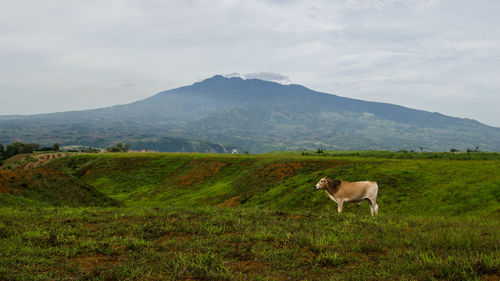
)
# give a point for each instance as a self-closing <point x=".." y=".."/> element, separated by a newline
<point x="59" y="55"/>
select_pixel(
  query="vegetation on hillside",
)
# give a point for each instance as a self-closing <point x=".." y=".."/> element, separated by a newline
<point x="249" y="217"/>
<point x="283" y="180"/>
<point x="286" y="181"/>
<point x="23" y="148"/>
<point x="2" y="154"/>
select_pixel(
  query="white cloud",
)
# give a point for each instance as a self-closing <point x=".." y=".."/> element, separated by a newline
<point x="263" y="75"/>
<point x="267" y="75"/>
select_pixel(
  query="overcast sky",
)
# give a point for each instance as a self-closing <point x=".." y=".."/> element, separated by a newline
<point x="59" y="55"/>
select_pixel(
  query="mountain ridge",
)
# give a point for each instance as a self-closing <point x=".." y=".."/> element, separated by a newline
<point x="257" y="115"/>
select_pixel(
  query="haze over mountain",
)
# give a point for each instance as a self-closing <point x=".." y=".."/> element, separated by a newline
<point x="220" y="113"/>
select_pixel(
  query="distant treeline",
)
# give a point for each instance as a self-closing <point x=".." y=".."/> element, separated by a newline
<point x="20" y="148"/>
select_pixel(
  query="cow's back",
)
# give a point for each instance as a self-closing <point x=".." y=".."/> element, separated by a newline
<point x="358" y="190"/>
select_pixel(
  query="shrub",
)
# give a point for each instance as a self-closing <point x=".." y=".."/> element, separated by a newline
<point x="119" y="147"/>
<point x="2" y="152"/>
<point x="19" y="148"/>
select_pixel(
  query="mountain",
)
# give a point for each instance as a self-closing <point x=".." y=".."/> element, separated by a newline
<point x="220" y="113"/>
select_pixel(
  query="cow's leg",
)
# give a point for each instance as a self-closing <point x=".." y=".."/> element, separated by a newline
<point x="373" y="207"/>
<point x="340" y="206"/>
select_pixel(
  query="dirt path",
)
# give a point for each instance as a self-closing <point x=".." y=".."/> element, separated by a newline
<point x="38" y="160"/>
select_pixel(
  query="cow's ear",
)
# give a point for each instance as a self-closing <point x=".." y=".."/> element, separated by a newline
<point x="337" y="182"/>
<point x="328" y="180"/>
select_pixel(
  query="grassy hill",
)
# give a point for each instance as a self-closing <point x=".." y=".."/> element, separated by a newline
<point x="249" y="217"/>
<point x="284" y="181"/>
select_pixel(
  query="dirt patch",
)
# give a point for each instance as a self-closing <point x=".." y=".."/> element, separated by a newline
<point x="14" y="181"/>
<point x="122" y="219"/>
<point x="31" y="161"/>
<point x="492" y="277"/>
<point x="15" y="159"/>
<point x="39" y="160"/>
<point x="250" y="266"/>
<point x="297" y="217"/>
<point x="276" y="172"/>
<point x="175" y="236"/>
<point x="201" y="171"/>
<point x="91" y="226"/>
<point x="88" y="263"/>
<point x="7" y="179"/>
<point x="87" y="172"/>
<point x="231" y="202"/>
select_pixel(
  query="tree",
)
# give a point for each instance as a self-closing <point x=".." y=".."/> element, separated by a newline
<point x="92" y="150"/>
<point x="14" y="148"/>
<point x="55" y="147"/>
<point x="119" y="147"/>
<point x="30" y="147"/>
<point x="19" y="148"/>
<point x="2" y="152"/>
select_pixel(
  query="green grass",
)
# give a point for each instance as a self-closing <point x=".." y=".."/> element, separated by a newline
<point x="286" y="181"/>
<point x="439" y="219"/>
<point x="213" y="243"/>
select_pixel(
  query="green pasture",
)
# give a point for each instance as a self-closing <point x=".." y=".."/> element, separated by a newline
<point x="135" y="216"/>
<point x="286" y="181"/>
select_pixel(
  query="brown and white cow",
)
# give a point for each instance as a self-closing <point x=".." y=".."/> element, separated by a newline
<point x="357" y="192"/>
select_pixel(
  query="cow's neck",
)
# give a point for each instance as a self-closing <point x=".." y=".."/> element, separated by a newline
<point x="331" y="193"/>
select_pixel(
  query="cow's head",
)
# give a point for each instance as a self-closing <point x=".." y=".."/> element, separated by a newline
<point x="325" y="181"/>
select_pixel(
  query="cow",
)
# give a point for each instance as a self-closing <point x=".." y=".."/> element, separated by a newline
<point x="357" y="192"/>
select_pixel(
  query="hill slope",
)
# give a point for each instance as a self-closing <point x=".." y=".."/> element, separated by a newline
<point x="282" y="181"/>
<point x="438" y="220"/>
<point x="255" y="115"/>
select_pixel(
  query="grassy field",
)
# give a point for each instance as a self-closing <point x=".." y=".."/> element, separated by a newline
<point x="248" y="217"/>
